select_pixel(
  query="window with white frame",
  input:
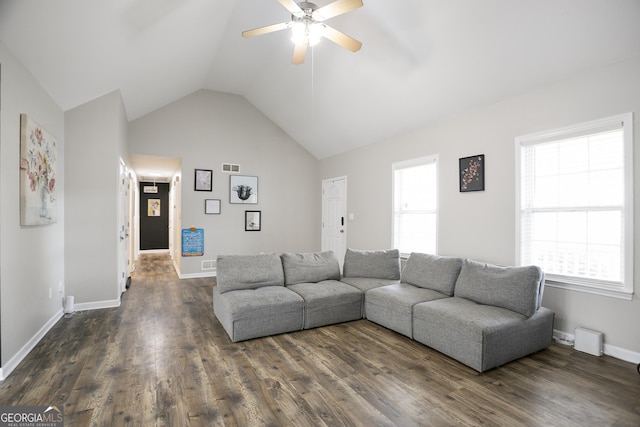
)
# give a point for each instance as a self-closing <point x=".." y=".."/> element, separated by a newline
<point x="575" y="207"/>
<point x="415" y="205"/>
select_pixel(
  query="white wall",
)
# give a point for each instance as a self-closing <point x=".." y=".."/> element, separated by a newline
<point x="31" y="258"/>
<point x="209" y="128"/>
<point x="481" y="225"/>
<point x="96" y="137"/>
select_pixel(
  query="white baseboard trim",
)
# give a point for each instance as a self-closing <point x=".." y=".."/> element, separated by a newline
<point x="622" y="353"/>
<point x="197" y="275"/>
<point x="83" y="306"/>
<point x="6" y="369"/>
<point x="610" y="350"/>
<point x="208" y="273"/>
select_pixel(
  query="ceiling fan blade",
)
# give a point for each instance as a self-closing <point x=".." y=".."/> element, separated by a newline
<point x="299" y="52"/>
<point x="341" y="39"/>
<point x="292" y="7"/>
<point x="336" y="8"/>
<point x="265" y="30"/>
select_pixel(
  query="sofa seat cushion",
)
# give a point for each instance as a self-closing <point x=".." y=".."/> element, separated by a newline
<point x="252" y="313"/>
<point x="365" y="284"/>
<point x="514" y="288"/>
<point x="328" y="302"/>
<point x="372" y="264"/>
<point x="235" y="272"/>
<point x="480" y="336"/>
<point x="392" y="306"/>
<point x="310" y="267"/>
<point x="432" y="272"/>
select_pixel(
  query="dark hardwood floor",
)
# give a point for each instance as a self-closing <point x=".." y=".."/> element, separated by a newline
<point x="162" y="358"/>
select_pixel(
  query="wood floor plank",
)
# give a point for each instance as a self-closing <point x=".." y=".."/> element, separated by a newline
<point x="163" y="359"/>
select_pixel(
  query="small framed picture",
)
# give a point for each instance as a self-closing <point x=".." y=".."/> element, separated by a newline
<point x="243" y="189"/>
<point x="153" y="207"/>
<point x="203" y="180"/>
<point x="252" y="220"/>
<point x="472" y="173"/>
<point x="212" y="206"/>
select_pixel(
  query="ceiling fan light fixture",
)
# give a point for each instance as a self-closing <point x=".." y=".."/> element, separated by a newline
<point x="307" y="26"/>
<point x="305" y="32"/>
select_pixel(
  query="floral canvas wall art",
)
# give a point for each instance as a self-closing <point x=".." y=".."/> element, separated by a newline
<point x="472" y="173"/>
<point x="38" y="160"/>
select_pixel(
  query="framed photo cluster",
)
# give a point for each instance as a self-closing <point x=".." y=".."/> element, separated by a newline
<point x="203" y="180"/>
<point x="243" y="189"/>
<point x="252" y="220"/>
<point x="212" y="206"/>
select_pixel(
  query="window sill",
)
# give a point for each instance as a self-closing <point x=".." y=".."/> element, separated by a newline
<point x="613" y="293"/>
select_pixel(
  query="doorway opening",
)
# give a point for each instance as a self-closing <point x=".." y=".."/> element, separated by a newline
<point x="334" y="217"/>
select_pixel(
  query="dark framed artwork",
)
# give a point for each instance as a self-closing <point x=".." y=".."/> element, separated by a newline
<point x="212" y="206"/>
<point x="252" y="220"/>
<point x="472" y="173"/>
<point x="203" y="179"/>
<point x="243" y="189"/>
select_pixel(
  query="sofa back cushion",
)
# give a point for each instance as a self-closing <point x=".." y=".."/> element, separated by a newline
<point x="235" y="272"/>
<point x="372" y="264"/>
<point x="310" y="267"/>
<point x="438" y="273"/>
<point x="518" y="289"/>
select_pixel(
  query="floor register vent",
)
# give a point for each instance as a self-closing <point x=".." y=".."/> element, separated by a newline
<point x="589" y="341"/>
<point x="209" y="264"/>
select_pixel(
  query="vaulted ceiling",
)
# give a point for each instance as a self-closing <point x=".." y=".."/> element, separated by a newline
<point x="421" y="60"/>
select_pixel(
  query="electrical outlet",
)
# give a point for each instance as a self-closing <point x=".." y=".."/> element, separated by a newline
<point x="50" y="293"/>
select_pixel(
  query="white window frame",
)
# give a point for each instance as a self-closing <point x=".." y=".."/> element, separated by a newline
<point x="432" y="159"/>
<point x="625" y="289"/>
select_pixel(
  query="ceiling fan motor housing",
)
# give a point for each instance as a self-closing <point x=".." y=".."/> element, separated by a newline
<point x="307" y="7"/>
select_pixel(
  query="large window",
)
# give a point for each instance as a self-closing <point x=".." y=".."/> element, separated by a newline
<point x="415" y="205"/>
<point x="575" y="207"/>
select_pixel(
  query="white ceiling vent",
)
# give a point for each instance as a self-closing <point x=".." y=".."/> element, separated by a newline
<point x="230" y="168"/>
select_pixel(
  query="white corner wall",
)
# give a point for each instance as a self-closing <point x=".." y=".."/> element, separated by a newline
<point x="31" y="258"/>
<point x="95" y="135"/>
<point x="206" y="129"/>
<point x="481" y="225"/>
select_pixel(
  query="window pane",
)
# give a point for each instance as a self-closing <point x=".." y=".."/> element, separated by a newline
<point x="573" y="189"/>
<point x="412" y="187"/>
<point x="573" y="155"/>
<point x="605" y="228"/>
<point x="415" y="207"/>
<point x="545" y="227"/>
<point x="605" y="263"/>
<point x="416" y="233"/>
<point x="572" y="227"/>
<point x="573" y="205"/>
<point x="606" y="151"/>
<point x="606" y="188"/>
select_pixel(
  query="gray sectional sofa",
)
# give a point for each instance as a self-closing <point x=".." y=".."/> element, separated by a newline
<point x="479" y="314"/>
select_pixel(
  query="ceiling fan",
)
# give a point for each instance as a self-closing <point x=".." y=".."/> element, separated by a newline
<point x="307" y="25"/>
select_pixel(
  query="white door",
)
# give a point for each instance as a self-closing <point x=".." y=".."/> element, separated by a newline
<point x="124" y="249"/>
<point x="334" y="217"/>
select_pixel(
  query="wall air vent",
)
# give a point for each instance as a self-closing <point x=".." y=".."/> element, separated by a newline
<point x="208" y="264"/>
<point x="230" y="168"/>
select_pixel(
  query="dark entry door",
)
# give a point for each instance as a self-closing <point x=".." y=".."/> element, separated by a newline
<point x="154" y="216"/>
